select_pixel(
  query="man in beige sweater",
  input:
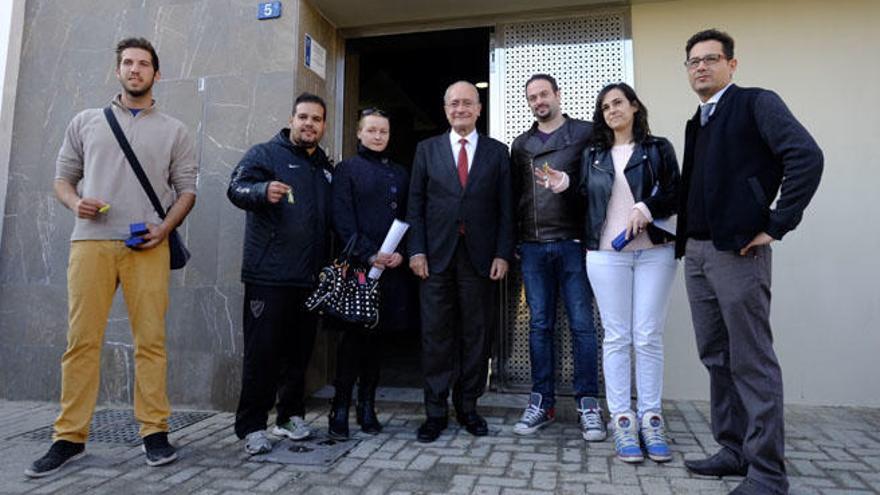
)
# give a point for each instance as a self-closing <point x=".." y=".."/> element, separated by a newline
<point x="95" y="181"/>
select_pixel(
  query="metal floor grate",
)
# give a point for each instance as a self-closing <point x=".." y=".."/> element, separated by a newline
<point x="119" y="426"/>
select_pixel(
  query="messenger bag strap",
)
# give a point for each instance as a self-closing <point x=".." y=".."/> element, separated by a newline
<point x="133" y="161"/>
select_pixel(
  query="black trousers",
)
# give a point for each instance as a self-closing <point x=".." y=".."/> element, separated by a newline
<point x="457" y="307"/>
<point x="278" y="338"/>
<point x="729" y="297"/>
<point x="358" y="359"/>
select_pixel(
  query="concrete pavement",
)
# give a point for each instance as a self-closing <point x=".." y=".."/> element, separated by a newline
<point x="829" y="451"/>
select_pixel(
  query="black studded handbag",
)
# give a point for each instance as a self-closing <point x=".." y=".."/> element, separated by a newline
<point x="346" y="292"/>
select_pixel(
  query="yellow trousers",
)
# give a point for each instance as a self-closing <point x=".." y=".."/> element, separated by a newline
<point x="95" y="270"/>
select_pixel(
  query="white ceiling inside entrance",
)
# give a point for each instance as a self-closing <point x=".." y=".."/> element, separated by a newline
<point x="360" y="13"/>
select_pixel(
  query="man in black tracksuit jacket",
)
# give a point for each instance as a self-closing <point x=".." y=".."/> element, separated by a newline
<point x="284" y="185"/>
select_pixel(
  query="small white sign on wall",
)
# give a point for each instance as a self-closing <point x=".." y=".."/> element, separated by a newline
<point x="316" y="57"/>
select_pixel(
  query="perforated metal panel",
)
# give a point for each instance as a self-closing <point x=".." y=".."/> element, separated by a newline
<point x="583" y="53"/>
<point x="514" y="362"/>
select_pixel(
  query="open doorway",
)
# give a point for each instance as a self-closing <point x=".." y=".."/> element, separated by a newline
<point x="406" y="76"/>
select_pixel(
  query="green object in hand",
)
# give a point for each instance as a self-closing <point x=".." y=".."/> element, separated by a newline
<point x="290" y="196"/>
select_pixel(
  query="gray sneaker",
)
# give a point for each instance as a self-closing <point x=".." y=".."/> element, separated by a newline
<point x="590" y="417"/>
<point x="535" y="416"/>
<point x="295" y="429"/>
<point x="257" y="442"/>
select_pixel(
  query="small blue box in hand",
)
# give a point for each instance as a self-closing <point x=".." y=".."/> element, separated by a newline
<point x="134" y="241"/>
<point x="138" y="229"/>
<point x="620" y="241"/>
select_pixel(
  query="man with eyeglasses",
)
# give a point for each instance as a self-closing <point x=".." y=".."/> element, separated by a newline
<point x="460" y="242"/>
<point x="741" y="145"/>
<point x="549" y="232"/>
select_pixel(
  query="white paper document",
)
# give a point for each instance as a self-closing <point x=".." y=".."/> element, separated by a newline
<point x="392" y="239"/>
<point x="667" y="224"/>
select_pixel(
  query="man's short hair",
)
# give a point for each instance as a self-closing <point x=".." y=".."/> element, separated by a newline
<point x="307" y="97"/>
<point x="708" y="35"/>
<point x="543" y="77"/>
<point x="141" y="43"/>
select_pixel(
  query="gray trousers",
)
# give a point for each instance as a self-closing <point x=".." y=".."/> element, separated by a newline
<point x="730" y="305"/>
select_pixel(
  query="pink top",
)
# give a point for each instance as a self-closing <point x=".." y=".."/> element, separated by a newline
<point x="620" y="204"/>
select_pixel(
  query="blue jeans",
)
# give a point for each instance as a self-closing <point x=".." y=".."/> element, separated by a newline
<point x="548" y="267"/>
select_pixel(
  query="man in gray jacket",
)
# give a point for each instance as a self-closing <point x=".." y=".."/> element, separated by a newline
<point x="95" y="181"/>
<point x="549" y="228"/>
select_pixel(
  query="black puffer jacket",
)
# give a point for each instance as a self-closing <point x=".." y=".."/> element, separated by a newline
<point x="285" y="244"/>
<point x="542" y="215"/>
<point x="652" y="163"/>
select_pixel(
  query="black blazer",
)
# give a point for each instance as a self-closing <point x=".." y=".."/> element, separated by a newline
<point x="438" y="204"/>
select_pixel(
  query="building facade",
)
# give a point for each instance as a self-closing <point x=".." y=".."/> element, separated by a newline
<point x="232" y="79"/>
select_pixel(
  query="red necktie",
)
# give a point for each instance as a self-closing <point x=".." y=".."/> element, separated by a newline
<point x="462" y="163"/>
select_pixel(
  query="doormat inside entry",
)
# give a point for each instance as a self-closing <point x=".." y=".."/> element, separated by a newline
<point x="318" y="450"/>
<point x="119" y="426"/>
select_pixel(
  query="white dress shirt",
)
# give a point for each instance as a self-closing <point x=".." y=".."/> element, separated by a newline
<point x="714" y="99"/>
<point x="470" y="147"/>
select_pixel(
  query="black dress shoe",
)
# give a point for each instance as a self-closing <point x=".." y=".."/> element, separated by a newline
<point x="751" y="487"/>
<point x="431" y="429"/>
<point x="473" y="423"/>
<point x="723" y="463"/>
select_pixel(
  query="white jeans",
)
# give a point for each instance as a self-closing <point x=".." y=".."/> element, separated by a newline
<point x="632" y="291"/>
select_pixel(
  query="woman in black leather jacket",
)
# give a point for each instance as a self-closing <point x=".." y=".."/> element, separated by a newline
<point x="630" y="181"/>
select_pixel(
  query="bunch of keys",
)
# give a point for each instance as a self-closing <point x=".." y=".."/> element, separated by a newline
<point x="546" y="169"/>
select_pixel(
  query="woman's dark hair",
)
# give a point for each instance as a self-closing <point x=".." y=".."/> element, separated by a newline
<point x="603" y="136"/>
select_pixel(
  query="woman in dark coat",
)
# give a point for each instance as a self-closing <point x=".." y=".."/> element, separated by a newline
<point x="369" y="193"/>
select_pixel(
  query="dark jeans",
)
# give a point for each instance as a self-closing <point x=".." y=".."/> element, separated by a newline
<point x="548" y="267"/>
<point x="729" y="297"/>
<point x="457" y="309"/>
<point x="358" y="359"/>
<point x="278" y="338"/>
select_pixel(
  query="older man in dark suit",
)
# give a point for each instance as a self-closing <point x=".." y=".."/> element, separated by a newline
<point x="461" y="238"/>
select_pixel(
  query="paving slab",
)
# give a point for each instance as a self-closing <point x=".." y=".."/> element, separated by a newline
<point x="831" y="450"/>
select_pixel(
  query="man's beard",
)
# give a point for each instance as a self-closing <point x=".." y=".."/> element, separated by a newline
<point x="548" y="114"/>
<point x="137" y="93"/>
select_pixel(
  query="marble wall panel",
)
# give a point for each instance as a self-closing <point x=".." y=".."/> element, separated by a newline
<point x="230" y="79"/>
<point x="30" y="372"/>
<point x="33" y="250"/>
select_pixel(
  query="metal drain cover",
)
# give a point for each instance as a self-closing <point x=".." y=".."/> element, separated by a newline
<point x="319" y="450"/>
<point x="119" y="426"/>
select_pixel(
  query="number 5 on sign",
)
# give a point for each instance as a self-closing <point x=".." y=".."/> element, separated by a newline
<point x="269" y="10"/>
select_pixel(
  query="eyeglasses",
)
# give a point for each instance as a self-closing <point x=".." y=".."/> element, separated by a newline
<point x="711" y="59"/>
<point x="373" y="111"/>
<point x="461" y="104"/>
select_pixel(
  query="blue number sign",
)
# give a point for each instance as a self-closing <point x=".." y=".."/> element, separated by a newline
<point x="269" y="10"/>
